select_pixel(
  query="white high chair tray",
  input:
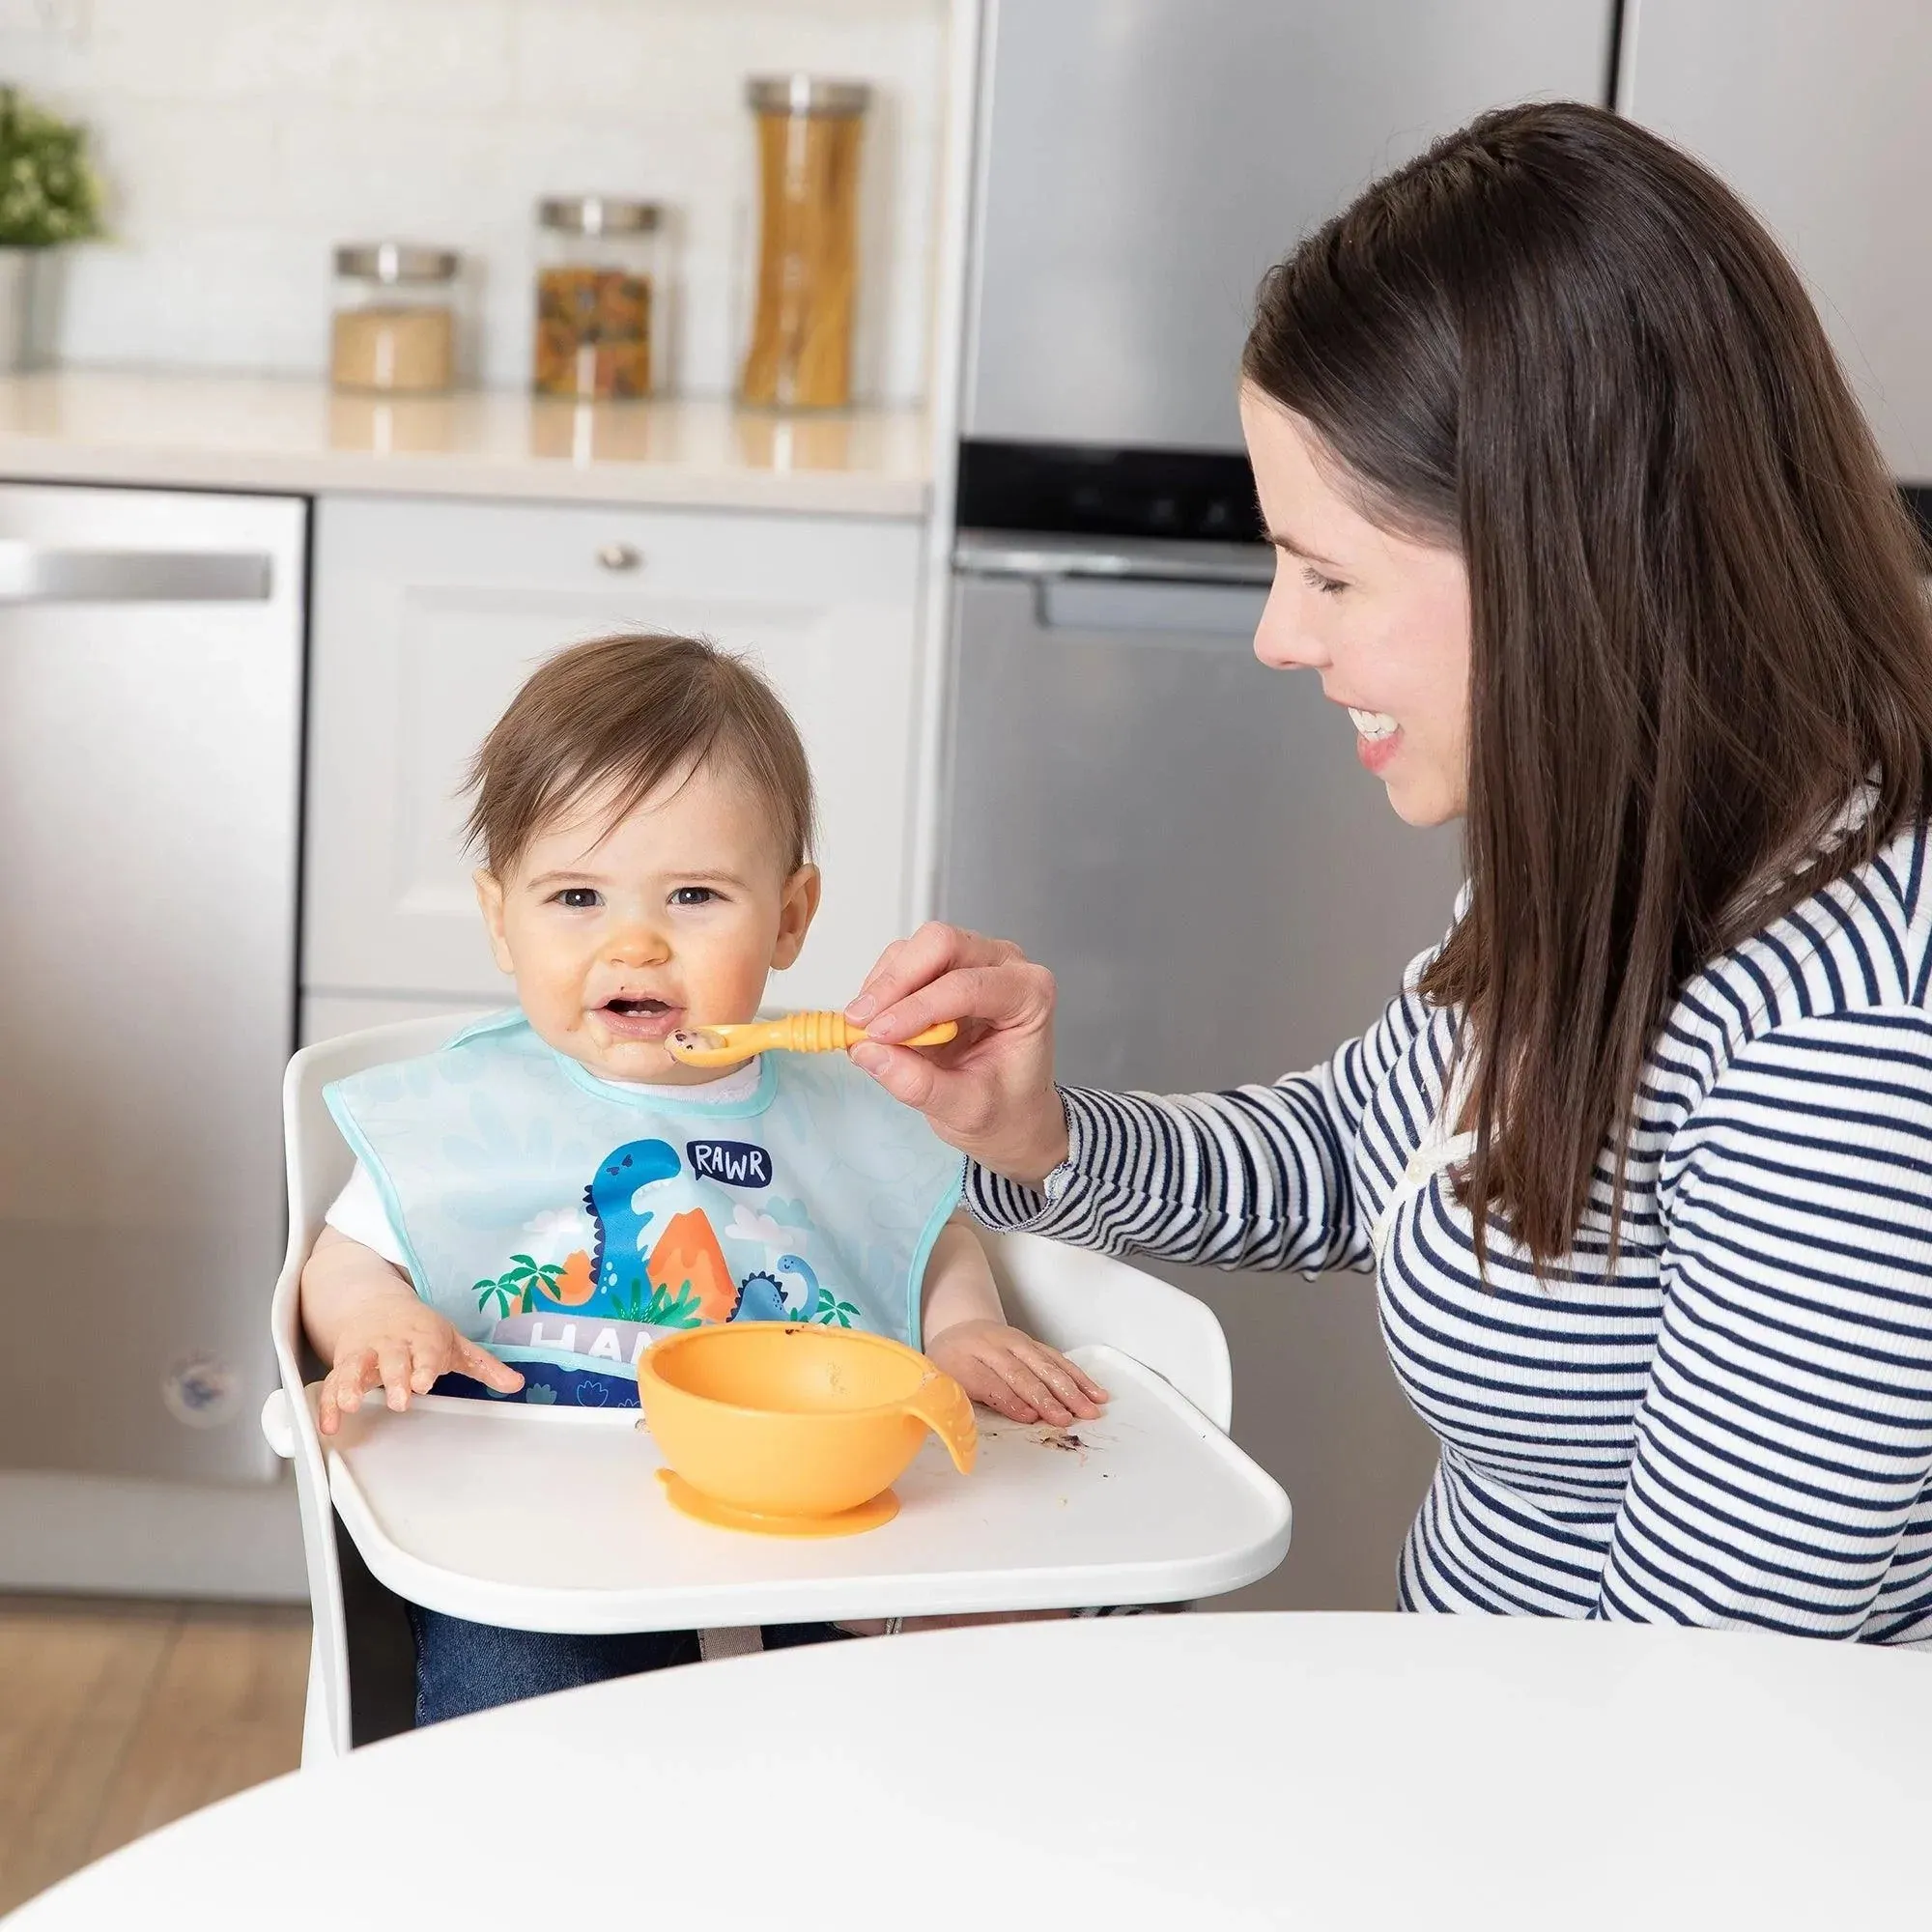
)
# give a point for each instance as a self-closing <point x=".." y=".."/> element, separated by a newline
<point x="554" y="1520"/>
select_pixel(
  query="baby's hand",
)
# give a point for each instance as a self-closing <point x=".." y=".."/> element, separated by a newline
<point x="1009" y="1370"/>
<point x="402" y="1346"/>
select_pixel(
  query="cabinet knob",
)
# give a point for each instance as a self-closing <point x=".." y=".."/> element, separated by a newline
<point x="618" y="557"/>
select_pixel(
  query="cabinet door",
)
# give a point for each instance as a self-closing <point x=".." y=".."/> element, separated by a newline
<point x="429" y="615"/>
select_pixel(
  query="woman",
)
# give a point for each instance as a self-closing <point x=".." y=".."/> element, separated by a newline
<point x="1575" y="513"/>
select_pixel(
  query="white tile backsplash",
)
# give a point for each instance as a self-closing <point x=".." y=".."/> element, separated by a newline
<point x="241" y="139"/>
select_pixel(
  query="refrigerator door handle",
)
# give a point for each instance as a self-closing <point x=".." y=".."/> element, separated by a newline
<point x="37" y="574"/>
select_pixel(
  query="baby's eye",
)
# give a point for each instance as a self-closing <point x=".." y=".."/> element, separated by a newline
<point x="692" y="896"/>
<point x="1328" y="586"/>
<point x="578" y="898"/>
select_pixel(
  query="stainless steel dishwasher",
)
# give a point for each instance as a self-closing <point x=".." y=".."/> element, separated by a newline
<point x="150" y="677"/>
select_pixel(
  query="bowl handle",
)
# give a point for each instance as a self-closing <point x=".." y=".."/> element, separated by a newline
<point x="941" y="1403"/>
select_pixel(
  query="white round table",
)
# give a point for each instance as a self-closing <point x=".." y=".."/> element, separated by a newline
<point x="1208" y="1772"/>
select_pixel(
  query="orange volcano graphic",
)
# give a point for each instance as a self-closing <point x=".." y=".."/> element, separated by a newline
<point x="688" y="1250"/>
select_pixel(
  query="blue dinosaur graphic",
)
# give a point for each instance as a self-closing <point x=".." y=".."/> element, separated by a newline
<point x="608" y="1198"/>
<point x="807" y="1309"/>
<point x="761" y="1297"/>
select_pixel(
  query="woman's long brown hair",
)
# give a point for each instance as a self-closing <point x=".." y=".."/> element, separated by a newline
<point x="1560" y="344"/>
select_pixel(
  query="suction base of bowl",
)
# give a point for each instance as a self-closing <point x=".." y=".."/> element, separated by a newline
<point x="695" y="1503"/>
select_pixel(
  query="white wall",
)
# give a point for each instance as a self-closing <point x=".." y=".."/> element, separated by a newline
<point x="242" y="138"/>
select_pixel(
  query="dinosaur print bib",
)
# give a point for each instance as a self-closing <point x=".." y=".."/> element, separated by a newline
<point x="566" y="1222"/>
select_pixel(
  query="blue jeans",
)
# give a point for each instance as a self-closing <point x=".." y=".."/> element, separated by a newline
<point x="463" y="1666"/>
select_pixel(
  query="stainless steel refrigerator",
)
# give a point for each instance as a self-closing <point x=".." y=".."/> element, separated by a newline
<point x="1182" y="835"/>
<point x="1821" y="118"/>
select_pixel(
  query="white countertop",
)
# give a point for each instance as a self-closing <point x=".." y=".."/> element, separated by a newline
<point x="279" y="433"/>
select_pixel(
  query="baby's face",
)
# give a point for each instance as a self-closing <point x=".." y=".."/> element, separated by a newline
<point x="618" y="935"/>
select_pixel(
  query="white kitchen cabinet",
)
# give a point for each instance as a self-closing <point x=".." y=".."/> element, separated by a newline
<point x="429" y="614"/>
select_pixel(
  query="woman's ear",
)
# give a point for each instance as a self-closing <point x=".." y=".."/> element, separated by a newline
<point x="796" y="911"/>
<point x="490" y="900"/>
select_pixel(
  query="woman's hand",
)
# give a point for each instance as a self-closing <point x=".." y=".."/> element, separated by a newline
<point x="1005" y="1369"/>
<point x="990" y="1093"/>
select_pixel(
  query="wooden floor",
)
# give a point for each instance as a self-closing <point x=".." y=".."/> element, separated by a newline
<point x="116" y="1717"/>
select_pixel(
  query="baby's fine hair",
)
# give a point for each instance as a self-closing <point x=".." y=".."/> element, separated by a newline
<point x="620" y="717"/>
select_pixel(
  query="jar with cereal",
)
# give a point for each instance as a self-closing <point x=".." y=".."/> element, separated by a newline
<point x="598" y="283"/>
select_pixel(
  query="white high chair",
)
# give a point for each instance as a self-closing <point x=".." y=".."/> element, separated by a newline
<point x="1065" y="1296"/>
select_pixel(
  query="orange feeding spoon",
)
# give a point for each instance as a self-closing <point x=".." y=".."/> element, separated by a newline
<point x="796" y="1033"/>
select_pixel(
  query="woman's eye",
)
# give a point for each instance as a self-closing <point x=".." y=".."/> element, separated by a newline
<point x="578" y="898"/>
<point x="692" y="896"/>
<point x="1328" y="586"/>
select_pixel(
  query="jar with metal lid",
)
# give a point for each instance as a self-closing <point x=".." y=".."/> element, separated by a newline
<point x="809" y="148"/>
<point x="598" y="282"/>
<point x="396" y="323"/>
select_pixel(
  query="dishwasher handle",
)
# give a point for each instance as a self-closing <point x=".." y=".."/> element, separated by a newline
<point x="1202" y="594"/>
<point x="37" y="574"/>
<point x="1127" y="561"/>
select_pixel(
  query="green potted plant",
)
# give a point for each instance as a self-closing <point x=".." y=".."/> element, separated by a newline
<point x="48" y="197"/>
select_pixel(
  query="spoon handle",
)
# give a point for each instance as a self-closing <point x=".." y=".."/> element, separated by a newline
<point x="834" y="1033"/>
<point x="795" y="1032"/>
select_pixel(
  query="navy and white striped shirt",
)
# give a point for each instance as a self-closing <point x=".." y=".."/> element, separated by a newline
<point x="1734" y="1428"/>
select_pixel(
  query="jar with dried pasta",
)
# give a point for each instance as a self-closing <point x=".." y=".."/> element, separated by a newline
<point x="597" y="287"/>
<point x="809" y="151"/>
<point x="395" y="324"/>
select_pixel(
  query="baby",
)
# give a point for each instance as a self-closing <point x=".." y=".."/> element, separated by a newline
<point x="534" y="1204"/>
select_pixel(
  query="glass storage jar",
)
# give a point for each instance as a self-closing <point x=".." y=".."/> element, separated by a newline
<point x="598" y="281"/>
<point x="396" y="323"/>
<point x="809" y="145"/>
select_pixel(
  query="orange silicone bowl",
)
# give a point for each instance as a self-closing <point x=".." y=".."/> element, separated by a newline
<point x="789" y="1425"/>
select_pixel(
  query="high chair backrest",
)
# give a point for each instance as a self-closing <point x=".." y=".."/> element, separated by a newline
<point x="319" y="1164"/>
